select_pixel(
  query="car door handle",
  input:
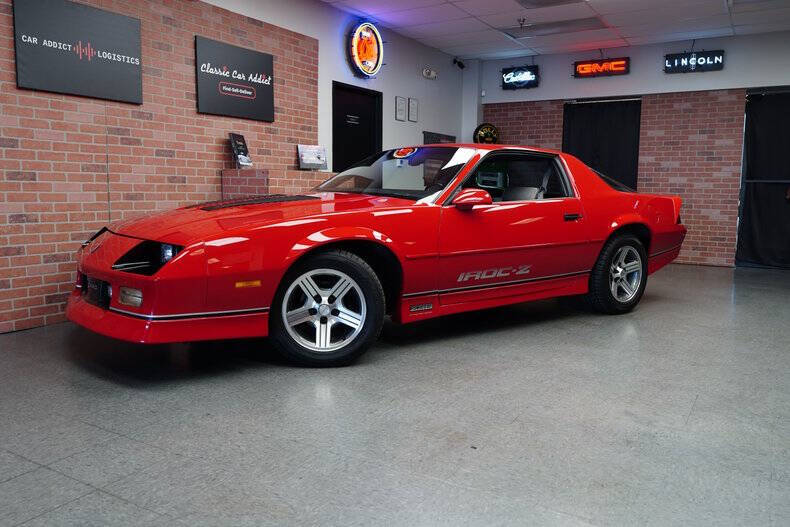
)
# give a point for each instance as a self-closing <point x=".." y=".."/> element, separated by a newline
<point x="572" y="216"/>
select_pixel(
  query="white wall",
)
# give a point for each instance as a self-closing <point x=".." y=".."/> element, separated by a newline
<point x="404" y="59"/>
<point x="749" y="61"/>
<point x="471" y="111"/>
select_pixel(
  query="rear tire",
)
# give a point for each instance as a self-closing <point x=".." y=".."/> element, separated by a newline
<point x="618" y="280"/>
<point x="328" y="310"/>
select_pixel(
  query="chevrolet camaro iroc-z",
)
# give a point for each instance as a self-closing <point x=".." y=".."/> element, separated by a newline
<point x="413" y="233"/>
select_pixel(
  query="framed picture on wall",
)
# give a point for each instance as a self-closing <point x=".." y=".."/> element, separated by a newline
<point x="66" y="47"/>
<point x="413" y="104"/>
<point x="400" y="108"/>
<point x="234" y="81"/>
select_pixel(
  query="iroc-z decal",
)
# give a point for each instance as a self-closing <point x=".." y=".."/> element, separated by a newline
<point x="496" y="272"/>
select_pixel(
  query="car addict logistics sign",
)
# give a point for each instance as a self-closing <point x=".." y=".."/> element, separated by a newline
<point x="522" y="77"/>
<point x="234" y="81"/>
<point x="65" y="47"/>
<point x="694" y="61"/>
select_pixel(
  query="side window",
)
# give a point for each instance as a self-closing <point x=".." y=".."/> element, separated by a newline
<point x="519" y="177"/>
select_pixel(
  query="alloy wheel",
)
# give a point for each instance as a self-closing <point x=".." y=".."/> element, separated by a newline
<point x="324" y="310"/>
<point x="625" y="274"/>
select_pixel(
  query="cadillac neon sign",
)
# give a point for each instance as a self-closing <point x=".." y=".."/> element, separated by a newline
<point x="366" y="49"/>
<point x="522" y="77"/>
<point x="694" y="61"/>
<point x="602" y="68"/>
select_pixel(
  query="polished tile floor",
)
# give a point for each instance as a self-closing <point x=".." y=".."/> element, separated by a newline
<point x="539" y="414"/>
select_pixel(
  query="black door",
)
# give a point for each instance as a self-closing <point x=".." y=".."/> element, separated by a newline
<point x="764" y="226"/>
<point x="356" y="125"/>
<point x="605" y="135"/>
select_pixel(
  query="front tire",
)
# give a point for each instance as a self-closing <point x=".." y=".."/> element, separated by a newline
<point x="328" y="310"/>
<point x="618" y="280"/>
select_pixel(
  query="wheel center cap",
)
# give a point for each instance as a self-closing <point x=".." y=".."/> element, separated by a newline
<point x="324" y="310"/>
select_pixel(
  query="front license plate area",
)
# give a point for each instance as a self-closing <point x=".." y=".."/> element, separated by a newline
<point x="96" y="292"/>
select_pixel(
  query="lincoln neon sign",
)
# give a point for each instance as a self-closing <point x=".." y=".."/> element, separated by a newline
<point x="601" y="68"/>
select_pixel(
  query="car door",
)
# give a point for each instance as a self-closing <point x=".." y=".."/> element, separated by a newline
<point x="532" y="238"/>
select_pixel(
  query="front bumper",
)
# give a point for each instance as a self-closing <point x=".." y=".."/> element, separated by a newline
<point x="194" y="327"/>
<point x="173" y="307"/>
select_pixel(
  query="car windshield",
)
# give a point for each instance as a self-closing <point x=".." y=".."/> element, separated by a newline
<point x="411" y="173"/>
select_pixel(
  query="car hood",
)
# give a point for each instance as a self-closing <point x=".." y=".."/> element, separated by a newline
<point x="205" y="220"/>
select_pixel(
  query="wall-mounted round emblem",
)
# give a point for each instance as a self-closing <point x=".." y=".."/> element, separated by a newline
<point x="486" y="133"/>
<point x="402" y="153"/>
<point x="367" y="50"/>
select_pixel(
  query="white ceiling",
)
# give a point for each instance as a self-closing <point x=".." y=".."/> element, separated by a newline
<point x="478" y="28"/>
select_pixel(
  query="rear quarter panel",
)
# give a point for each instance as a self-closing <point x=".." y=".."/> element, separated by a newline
<point x="607" y="210"/>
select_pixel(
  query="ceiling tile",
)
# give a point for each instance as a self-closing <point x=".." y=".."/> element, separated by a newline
<point x="761" y="17"/>
<point x="604" y="7"/>
<point x="376" y="7"/>
<point x="770" y="27"/>
<point x="488" y="7"/>
<point x="465" y="25"/>
<point x="659" y="27"/>
<point x="458" y="39"/>
<point x="681" y="36"/>
<point x="583" y="46"/>
<point x="757" y="5"/>
<point x="514" y="54"/>
<point x="482" y="48"/>
<point x="422" y="15"/>
<point x="537" y="16"/>
<point x="661" y="15"/>
<point x="595" y="35"/>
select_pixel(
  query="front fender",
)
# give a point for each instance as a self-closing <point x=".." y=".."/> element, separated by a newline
<point x="339" y="234"/>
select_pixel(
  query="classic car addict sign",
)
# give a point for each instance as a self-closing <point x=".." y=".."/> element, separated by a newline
<point x="694" y="61"/>
<point x="602" y="68"/>
<point x="234" y="81"/>
<point x="521" y="77"/>
<point x="66" y="47"/>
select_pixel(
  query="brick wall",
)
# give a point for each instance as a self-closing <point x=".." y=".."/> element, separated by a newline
<point x="68" y="165"/>
<point x="690" y="144"/>
<point x="533" y="123"/>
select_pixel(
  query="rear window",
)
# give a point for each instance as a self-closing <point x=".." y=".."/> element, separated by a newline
<point x="613" y="182"/>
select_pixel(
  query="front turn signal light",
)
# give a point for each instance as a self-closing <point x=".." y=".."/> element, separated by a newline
<point x="130" y="297"/>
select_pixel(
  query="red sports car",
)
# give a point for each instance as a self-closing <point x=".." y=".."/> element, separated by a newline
<point x="414" y="232"/>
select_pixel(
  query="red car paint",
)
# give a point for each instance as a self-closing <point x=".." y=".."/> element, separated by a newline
<point x="222" y="283"/>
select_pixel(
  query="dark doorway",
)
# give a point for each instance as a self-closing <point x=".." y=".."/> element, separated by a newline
<point x="764" y="226"/>
<point x="356" y="124"/>
<point x="605" y="135"/>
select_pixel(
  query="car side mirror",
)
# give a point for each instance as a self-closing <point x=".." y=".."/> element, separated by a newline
<point x="469" y="197"/>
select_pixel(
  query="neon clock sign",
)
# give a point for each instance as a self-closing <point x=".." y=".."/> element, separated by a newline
<point x="366" y="49"/>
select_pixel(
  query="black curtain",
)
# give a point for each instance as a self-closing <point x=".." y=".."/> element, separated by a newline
<point x="605" y="135"/>
<point x="764" y="227"/>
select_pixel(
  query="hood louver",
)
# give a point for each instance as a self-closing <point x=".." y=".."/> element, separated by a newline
<point x="252" y="200"/>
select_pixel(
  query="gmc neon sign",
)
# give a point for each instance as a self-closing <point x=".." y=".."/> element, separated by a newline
<point x="601" y="68"/>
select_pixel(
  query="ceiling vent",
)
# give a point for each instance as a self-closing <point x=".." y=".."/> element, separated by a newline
<point x="534" y="4"/>
<point x="553" y="28"/>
